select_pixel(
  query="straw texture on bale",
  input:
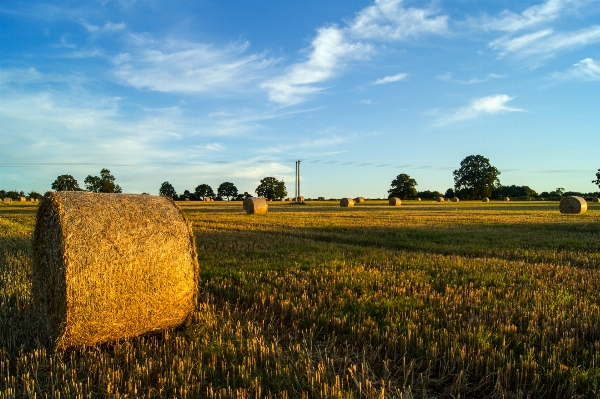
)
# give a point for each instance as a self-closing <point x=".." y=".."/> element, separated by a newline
<point x="22" y="199"/>
<point x="573" y="205"/>
<point x="440" y="199"/>
<point x="395" y="201"/>
<point x="256" y="206"/>
<point x="111" y="266"/>
<point x="485" y="199"/>
<point x="359" y="200"/>
<point x="454" y="199"/>
<point x="346" y="202"/>
<point x="7" y="201"/>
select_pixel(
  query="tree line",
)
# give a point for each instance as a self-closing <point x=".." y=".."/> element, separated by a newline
<point x="475" y="179"/>
<point x="269" y="188"/>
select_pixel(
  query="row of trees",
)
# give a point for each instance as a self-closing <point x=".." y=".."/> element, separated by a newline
<point x="269" y="187"/>
<point x="105" y="183"/>
<point x="476" y="178"/>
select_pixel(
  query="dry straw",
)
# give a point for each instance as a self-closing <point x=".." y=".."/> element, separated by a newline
<point x="359" y="200"/>
<point x="573" y="205"/>
<point x="22" y="199"/>
<point x="454" y="199"/>
<point x="506" y="199"/>
<point x="111" y="266"/>
<point x="395" y="201"/>
<point x="596" y="199"/>
<point x="418" y="199"/>
<point x="346" y="202"/>
<point x="7" y="201"/>
<point x="299" y="199"/>
<point x="256" y="206"/>
<point x="440" y="199"/>
<point x="485" y="199"/>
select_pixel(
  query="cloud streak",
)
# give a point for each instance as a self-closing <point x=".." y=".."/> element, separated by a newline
<point x="390" y="79"/>
<point x="485" y="105"/>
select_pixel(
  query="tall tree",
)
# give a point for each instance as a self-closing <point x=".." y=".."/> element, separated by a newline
<point x="475" y="178"/>
<point x="597" y="181"/>
<point x="105" y="183"/>
<point x="403" y="187"/>
<point x="166" y="189"/>
<point x="65" y="183"/>
<point x="227" y="190"/>
<point x="271" y="188"/>
<point x="204" y="191"/>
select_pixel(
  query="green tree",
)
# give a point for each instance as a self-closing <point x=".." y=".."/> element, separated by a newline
<point x="597" y="181"/>
<point x="271" y="188"/>
<point x="65" y="183"/>
<point x="403" y="187"/>
<point x="167" y="190"/>
<point x="429" y="194"/>
<point x="228" y="190"/>
<point x="105" y="183"/>
<point x="475" y="178"/>
<point x="204" y="191"/>
<point x="35" y="195"/>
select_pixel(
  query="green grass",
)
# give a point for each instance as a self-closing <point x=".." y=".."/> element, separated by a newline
<point x="424" y="300"/>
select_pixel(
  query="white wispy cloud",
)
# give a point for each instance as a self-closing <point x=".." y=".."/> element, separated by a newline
<point x="586" y="69"/>
<point x="183" y="67"/>
<point x="486" y="105"/>
<point x="108" y="27"/>
<point x="533" y="16"/>
<point x="447" y="77"/>
<point x="333" y="47"/>
<point x="390" y="79"/>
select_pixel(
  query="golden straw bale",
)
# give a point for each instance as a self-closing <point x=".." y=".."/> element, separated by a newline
<point x="346" y="203"/>
<point x="359" y="200"/>
<point x="299" y="199"/>
<point x="395" y="201"/>
<point x="454" y="199"/>
<point x="440" y="199"/>
<point x="418" y="199"/>
<point x="573" y="205"/>
<point x="7" y="201"/>
<point x="111" y="266"/>
<point x="485" y="199"/>
<point x="506" y="199"/>
<point x="596" y="199"/>
<point x="256" y="206"/>
<point x="22" y="199"/>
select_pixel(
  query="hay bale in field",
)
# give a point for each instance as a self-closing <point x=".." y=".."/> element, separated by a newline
<point x="111" y="266"/>
<point x="7" y="201"/>
<point x="506" y="199"/>
<point x="596" y="199"/>
<point x="440" y="199"/>
<point x="359" y="200"/>
<point x="454" y="199"/>
<point x="346" y="202"/>
<point x="485" y="199"/>
<point x="573" y="205"/>
<point x="256" y="206"/>
<point x="299" y="199"/>
<point x="395" y="201"/>
<point x="22" y="199"/>
<point x="418" y="199"/>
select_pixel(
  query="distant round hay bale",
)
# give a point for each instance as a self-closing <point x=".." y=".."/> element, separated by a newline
<point x="485" y="199"/>
<point x="418" y="199"/>
<point x="506" y="199"/>
<point x="440" y="199"/>
<point x="454" y="199"/>
<point x="7" y="201"/>
<point x="573" y="205"/>
<point x="596" y="199"/>
<point x="359" y="200"/>
<point x="256" y="206"/>
<point x="395" y="201"/>
<point x="299" y="199"/>
<point x="22" y="199"/>
<point x="346" y="202"/>
<point x="111" y="266"/>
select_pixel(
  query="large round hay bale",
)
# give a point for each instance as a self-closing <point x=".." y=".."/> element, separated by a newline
<point x="111" y="266"/>
<point x="7" y="201"/>
<point x="506" y="199"/>
<point x="346" y="202"/>
<point x="573" y="205"/>
<point x="256" y="206"/>
<point x="22" y="199"/>
<point x="359" y="200"/>
<point x="454" y="199"/>
<point x="395" y="201"/>
<point x="440" y="199"/>
<point x="485" y="199"/>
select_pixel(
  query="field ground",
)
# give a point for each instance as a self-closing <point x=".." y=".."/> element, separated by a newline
<point x="425" y="300"/>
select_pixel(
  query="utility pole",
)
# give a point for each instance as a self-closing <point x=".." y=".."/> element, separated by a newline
<point x="297" y="189"/>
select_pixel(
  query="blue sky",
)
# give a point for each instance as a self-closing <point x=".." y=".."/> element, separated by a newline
<point x="360" y="91"/>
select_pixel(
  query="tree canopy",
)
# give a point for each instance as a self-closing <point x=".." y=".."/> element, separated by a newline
<point x="105" y="183"/>
<point x="403" y="187"/>
<point x="475" y="178"/>
<point x="65" y="183"/>
<point x="513" y="192"/>
<point x="204" y="191"/>
<point x="167" y="190"/>
<point x="227" y="190"/>
<point x="271" y="188"/>
<point x="597" y="181"/>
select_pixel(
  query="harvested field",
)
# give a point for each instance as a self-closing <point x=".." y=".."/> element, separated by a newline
<point x="469" y="299"/>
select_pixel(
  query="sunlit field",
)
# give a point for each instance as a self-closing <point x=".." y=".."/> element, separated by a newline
<point x="426" y="300"/>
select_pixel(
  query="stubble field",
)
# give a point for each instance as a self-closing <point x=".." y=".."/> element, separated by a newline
<point x="425" y="300"/>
